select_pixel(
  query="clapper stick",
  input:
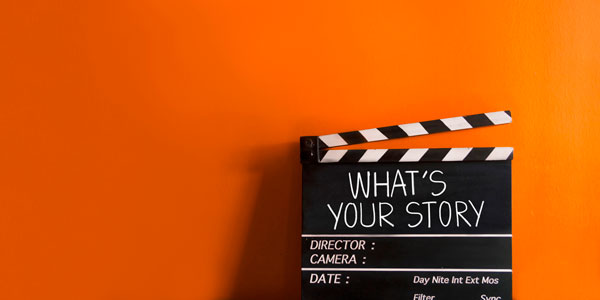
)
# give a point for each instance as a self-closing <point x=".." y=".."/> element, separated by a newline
<point x="316" y="148"/>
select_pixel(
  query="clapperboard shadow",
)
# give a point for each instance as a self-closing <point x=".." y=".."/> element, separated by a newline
<point x="268" y="267"/>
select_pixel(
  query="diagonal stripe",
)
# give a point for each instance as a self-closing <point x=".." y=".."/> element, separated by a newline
<point x="478" y="120"/>
<point x="457" y="154"/>
<point x="457" y="123"/>
<point x="333" y="156"/>
<point x="393" y="155"/>
<point x="353" y="137"/>
<point x="373" y="135"/>
<point x="413" y="129"/>
<point x="372" y="155"/>
<point x="435" y="126"/>
<point x="500" y="153"/>
<point x="333" y="140"/>
<point x="352" y="156"/>
<point x="435" y="154"/>
<point x="499" y="117"/>
<point x="322" y="153"/>
<point x="478" y="154"/>
<point x="414" y="154"/>
<point x="392" y="132"/>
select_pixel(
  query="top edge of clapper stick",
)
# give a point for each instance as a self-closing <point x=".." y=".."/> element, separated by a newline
<point x="414" y="129"/>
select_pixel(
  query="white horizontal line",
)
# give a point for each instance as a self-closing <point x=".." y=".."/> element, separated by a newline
<point x="407" y="235"/>
<point x="405" y="270"/>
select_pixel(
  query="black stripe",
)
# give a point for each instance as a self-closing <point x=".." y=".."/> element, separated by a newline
<point x="393" y="155"/>
<point x="353" y="137"/>
<point x="352" y="156"/>
<point x="435" y="126"/>
<point x="435" y="154"/>
<point x="510" y="157"/>
<point x="478" y="120"/>
<point x="508" y="112"/>
<point x="392" y="132"/>
<point x="479" y="154"/>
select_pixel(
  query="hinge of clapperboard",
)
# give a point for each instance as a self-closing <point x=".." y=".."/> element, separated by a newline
<point x="315" y="149"/>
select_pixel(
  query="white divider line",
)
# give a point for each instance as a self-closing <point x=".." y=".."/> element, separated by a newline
<point x="407" y="235"/>
<point x="405" y="270"/>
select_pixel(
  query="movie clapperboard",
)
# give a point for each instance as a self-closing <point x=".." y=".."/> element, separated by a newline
<point x="418" y="224"/>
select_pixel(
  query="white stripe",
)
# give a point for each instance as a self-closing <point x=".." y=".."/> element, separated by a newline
<point x="373" y="135"/>
<point x="414" y="154"/>
<point x="457" y="154"/>
<point x="485" y="235"/>
<point x="372" y="155"/>
<point x="500" y="153"/>
<point x="457" y="123"/>
<point x="333" y="156"/>
<point x="405" y="270"/>
<point x="499" y="117"/>
<point x="413" y="129"/>
<point x="333" y="140"/>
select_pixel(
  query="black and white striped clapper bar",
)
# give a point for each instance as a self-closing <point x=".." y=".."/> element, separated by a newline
<point x="415" y="224"/>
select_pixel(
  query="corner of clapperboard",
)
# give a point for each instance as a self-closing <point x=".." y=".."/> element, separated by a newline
<point x="309" y="149"/>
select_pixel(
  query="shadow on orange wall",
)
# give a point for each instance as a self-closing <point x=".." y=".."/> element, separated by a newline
<point x="270" y="264"/>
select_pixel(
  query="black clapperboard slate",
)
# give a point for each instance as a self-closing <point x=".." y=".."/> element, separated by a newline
<point x="418" y="224"/>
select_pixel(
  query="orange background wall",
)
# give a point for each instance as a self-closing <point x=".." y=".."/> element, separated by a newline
<point x="149" y="148"/>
